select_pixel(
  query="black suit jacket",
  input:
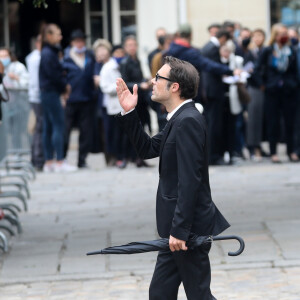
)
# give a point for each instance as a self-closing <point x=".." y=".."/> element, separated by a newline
<point x="184" y="203"/>
<point x="213" y="85"/>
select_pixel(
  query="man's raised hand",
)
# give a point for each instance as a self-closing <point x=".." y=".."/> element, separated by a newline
<point x="127" y="100"/>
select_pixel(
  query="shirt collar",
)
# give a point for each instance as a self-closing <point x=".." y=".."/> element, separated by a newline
<point x="215" y="41"/>
<point x="171" y="114"/>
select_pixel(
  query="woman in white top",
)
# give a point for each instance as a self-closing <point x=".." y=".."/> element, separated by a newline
<point x="232" y="107"/>
<point x="109" y="73"/>
<point x="16" y="111"/>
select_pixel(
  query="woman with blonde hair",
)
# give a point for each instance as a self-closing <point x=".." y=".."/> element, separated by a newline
<point x="276" y="71"/>
<point x="255" y="108"/>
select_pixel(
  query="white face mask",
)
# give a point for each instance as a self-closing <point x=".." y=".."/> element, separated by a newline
<point x="79" y="50"/>
<point x="224" y="60"/>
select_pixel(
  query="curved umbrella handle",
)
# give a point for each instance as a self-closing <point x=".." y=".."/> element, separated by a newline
<point x="232" y="237"/>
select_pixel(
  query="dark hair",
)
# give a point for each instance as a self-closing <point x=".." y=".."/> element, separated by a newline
<point x="116" y="47"/>
<point x="259" y="30"/>
<point x="245" y="29"/>
<point x="12" y="54"/>
<point x="228" y="24"/>
<point x="214" y="25"/>
<point x="6" y="49"/>
<point x="128" y="38"/>
<point x="223" y="32"/>
<point x="48" y="29"/>
<point x="185" y="74"/>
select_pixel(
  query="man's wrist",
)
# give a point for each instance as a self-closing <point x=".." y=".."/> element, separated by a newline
<point x="123" y="112"/>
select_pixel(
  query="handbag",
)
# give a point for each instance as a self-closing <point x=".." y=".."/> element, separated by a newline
<point x="243" y="94"/>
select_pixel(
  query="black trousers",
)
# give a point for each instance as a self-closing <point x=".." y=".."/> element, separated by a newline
<point x="79" y="115"/>
<point x="214" y="113"/>
<point x="297" y="124"/>
<point x="191" y="267"/>
<point x="280" y="102"/>
<point x="229" y="128"/>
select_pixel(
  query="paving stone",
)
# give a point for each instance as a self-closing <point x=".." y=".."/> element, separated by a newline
<point x="71" y="214"/>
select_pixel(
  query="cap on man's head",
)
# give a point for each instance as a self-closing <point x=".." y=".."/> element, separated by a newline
<point x="185" y="30"/>
<point x="77" y="34"/>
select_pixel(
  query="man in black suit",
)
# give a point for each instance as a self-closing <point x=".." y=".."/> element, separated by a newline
<point x="184" y="203"/>
<point x="214" y="98"/>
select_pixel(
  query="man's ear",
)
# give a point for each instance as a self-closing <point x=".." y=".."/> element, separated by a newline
<point x="175" y="87"/>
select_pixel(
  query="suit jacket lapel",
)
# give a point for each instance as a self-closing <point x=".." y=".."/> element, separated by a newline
<point x="169" y="126"/>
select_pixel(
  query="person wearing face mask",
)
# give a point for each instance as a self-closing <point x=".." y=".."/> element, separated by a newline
<point x="255" y="108"/>
<point x="117" y="141"/>
<point x="79" y="67"/>
<point x="16" y="75"/>
<point x="15" y="80"/>
<point x="160" y="32"/>
<point x="242" y="50"/>
<point x="277" y="73"/>
<point x="244" y="40"/>
<point x="102" y="50"/>
<point x="294" y="38"/>
<point x="214" y="104"/>
<point x="231" y="103"/>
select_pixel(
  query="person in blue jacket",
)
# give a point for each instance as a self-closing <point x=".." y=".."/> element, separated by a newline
<point x="181" y="48"/>
<point x="79" y="67"/>
<point x="53" y="84"/>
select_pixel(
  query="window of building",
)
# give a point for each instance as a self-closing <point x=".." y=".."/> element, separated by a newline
<point x="96" y="19"/>
<point x="127" y="17"/>
<point x="2" y="41"/>
<point x="286" y="12"/>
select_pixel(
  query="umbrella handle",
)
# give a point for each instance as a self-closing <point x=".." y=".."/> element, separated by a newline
<point x="232" y="237"/>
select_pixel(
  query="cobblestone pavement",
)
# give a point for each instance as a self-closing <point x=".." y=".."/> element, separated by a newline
<point x="71" y="214"/>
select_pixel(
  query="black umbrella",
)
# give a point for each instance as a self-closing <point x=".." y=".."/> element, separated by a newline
<point x="163" y="245"/>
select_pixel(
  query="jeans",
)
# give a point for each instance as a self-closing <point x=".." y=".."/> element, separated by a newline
<point x="53" y="127"/>
<point x="37" y="155"/>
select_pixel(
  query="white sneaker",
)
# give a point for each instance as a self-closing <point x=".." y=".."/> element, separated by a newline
<point x="48" y="168"/>
<point x="64" y="167"/>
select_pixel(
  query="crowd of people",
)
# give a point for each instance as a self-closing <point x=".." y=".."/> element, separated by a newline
<point x="249" y="89"/>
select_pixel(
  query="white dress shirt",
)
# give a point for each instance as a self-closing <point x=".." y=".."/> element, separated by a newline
<point x="171" y="114"/>
<point x="215" y="41"/>
<point x="33" y="63"/>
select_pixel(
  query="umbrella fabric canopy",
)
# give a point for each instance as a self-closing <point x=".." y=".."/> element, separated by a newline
<point x="163" y="245"/>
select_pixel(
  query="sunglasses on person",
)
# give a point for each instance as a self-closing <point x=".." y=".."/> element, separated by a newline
<point x="157" y="76"/>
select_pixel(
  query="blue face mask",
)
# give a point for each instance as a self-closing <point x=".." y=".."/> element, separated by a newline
<point x="5" y="61"/>
<point x="79" y="50"/>
<point x="236" y="33"/>
<point x="294" y="41"/>
<point x="118" y="59"/>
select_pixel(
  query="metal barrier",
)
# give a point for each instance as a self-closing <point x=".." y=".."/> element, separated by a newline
<point x="15" y="169"/>
<point x="2" y="140"/>
<point x="13" y="130"/>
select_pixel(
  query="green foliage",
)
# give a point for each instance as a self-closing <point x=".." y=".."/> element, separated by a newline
<point x="43" y="3"/>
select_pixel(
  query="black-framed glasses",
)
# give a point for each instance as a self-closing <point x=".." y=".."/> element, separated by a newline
<point x="157" y="76"/>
